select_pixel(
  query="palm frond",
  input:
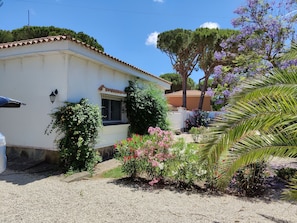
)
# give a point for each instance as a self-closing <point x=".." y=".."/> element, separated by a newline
<point x="291" y="192"/>
<point x="277" y="78"/>
<point x="260" y="122"/>
<point x="245" y="119"/>
<point x="254" y="149"/>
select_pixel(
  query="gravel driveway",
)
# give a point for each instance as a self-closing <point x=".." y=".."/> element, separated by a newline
<point x="39" y="197"/>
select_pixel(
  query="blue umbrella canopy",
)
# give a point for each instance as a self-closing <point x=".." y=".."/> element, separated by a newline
<point x="6" y="102"/>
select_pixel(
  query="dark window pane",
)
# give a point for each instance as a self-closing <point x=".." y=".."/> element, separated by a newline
<point x="111" y="110"/>
<point x="115" y="110"/>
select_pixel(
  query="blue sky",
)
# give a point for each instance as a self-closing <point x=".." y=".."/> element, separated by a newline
<point x="127" y="29"/>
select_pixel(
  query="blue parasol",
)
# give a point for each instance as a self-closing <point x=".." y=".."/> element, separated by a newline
<point x="9" y="103"/>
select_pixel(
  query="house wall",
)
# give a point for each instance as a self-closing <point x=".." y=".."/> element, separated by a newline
<point x="192" y="102"/>
<point x="29" y="73"/>
<point x="31" y="79"/>
<point x="84" y="79"/>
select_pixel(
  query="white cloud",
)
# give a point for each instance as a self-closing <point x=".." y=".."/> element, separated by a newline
<point x="152" y="39"/>
<point x="161" y="1"/>
<point x="210" y="25"/>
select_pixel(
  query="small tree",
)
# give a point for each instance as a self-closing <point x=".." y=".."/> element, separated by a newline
<point x="183" y="52"/>
<point x="145" y="107"/>
<point x="78" y="124"/>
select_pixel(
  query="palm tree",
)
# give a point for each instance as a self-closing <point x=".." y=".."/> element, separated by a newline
<point x="260" y="122"/>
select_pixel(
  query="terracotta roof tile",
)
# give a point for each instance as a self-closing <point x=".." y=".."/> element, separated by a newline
<point x="103" y="88"/>
<point x="32" y="41"/>
<point x="62" y="38"/>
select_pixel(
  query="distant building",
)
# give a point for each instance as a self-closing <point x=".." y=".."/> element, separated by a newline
<point x="175" y="99"/>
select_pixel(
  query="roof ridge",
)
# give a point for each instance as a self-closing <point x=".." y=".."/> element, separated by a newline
<point x="52" y="38"/>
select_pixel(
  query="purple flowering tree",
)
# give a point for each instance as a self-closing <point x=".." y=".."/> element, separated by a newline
<point x="267" y="29"/>
<point x="209" y="42"/>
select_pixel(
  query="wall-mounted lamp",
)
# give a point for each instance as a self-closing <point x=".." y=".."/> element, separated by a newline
<point x="53" y="96"/>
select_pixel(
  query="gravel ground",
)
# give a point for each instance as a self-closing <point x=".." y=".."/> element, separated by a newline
<point x="36" y="197"/>
<point x="27" y="196"/>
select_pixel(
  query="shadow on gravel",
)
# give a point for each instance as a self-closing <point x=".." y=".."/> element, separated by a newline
<point x="142" y="184"/>
<point x="272" y="191"/>
<point x="22" y="171"/>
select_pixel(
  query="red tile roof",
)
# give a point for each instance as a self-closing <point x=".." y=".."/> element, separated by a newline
<point x="62" y="38"/>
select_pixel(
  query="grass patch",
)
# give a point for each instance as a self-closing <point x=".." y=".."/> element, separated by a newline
<point x="114" y="173"/>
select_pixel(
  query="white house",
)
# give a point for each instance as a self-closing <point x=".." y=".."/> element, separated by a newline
<point x="30" y="70"/>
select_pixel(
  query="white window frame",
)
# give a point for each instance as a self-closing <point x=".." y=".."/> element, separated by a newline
<point x="113" y="95"/>
<point x="109" y="112"/>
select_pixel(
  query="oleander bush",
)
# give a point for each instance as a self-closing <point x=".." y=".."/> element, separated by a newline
<point x="146" y="155"/>
<point x="160" y="158"/>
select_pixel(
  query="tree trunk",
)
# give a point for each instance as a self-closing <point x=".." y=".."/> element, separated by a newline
<point x="184" y="77"/>
<point x="203" y="90"/>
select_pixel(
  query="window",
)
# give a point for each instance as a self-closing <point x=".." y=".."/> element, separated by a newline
<point x="111" y="111"/>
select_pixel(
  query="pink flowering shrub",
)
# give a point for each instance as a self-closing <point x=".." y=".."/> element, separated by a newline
<point x="159" y="157"/>
<point x="157" y="153"/>
<point x="128" y="151"/>
<point x="146" y="155"/>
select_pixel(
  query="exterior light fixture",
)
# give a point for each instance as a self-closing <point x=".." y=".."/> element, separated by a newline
<point x="53" y="96"/>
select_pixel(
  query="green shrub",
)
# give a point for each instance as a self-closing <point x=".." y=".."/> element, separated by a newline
<point x="184" y="167"/>
<point x="158" y="157"/>
<point x="249" y="181"/>
<point x="286" y="173"/>
<point x="289" y="175"/>
<point x="197" y="133"/>
<point x="78" y="125"/>
<point x="145" y="107"/>
<point x="198" y="119"/>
